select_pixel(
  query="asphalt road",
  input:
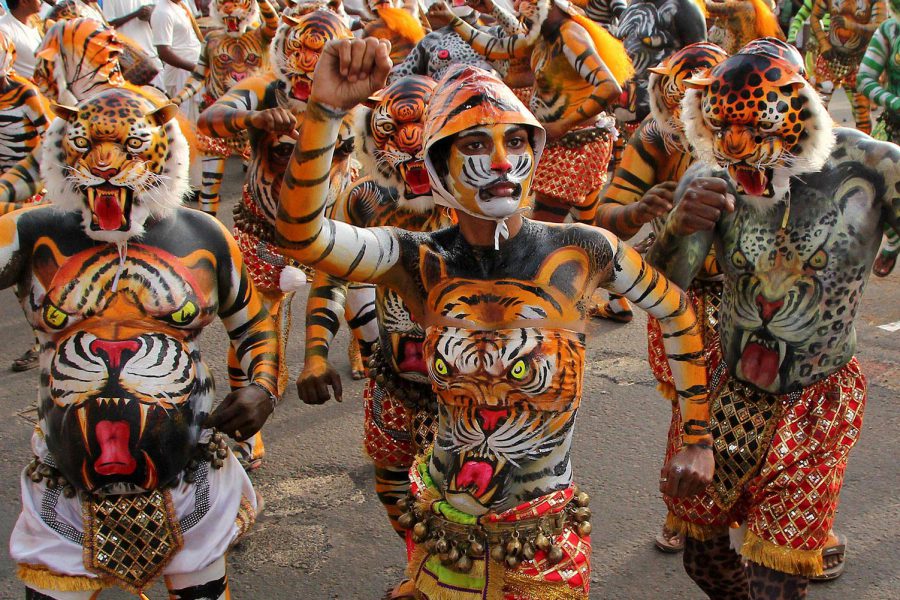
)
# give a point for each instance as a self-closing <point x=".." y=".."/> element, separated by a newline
<point x="324" y="535"/>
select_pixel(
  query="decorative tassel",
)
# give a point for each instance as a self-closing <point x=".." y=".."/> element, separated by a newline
<point x="766" y="23"/>
<point x="402" y="23"/>
<point x="700" y="533"/>
<point x="291" y="279"/>
<point x="807" y="563"/>
<point x="611" y="50"/>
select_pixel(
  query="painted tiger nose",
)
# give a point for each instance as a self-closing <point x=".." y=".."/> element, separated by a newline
<point x="104" y="173"/>
<point x="768" y="309"/>
<point x="490" y="418"/>
<point x="115" y="350"/>
<point x="738" y="142"/>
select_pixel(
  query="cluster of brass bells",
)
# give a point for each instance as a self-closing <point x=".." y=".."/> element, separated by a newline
<point x="38" y="471"/>
<point x="456" y="548"/>
<point x="580" y="137"/>
<point x="215" y="451"/>
<point x="414" y="396"/>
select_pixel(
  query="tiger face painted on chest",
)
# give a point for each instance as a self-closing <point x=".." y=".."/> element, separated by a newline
<point x="848" y="18"/>
<point x="119" y="160"/>
<point x="506" y="361"/>
<point x="755" y="115"/>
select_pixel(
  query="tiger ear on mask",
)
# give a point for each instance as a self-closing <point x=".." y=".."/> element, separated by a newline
<point x="64" y="112"/>
<point x="698" y="80"/>
<point x="163" y="114"/>
<point x="567" y="269"/>
<point x="289" y="20"/>
<point x="432" y="268"/>
<point x="373" y="100"/>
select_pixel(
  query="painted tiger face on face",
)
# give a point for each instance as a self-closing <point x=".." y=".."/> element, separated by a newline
<point x="756" y="115"/>
<point x="848" y="20"/>
<point x="489" y="169"/>
<point x="119" y="160"/>
<point x="235" y="16"/>
<point x="297" y="46"/>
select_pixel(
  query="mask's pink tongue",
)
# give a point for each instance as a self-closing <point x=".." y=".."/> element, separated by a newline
<point x="759" y="365"/>
<point x="108" y="211"/>
<point x="413" y="360"/>
<point x="300" y="90"/>
<point x="753" y="181"/>
<point x="115" y="457"/>
<point x="232" y="24"/>
<point x="477" y="473"/>
<point x="417" y="180"/>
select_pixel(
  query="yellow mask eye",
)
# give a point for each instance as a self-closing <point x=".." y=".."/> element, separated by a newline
<point x="54" y="317"/>
<point x="441" y="367"/>
<point x="739" y="260"/>
<point x="519" y="370"/>
<point x="818" y="260"/>
<point x="185" y="314"/>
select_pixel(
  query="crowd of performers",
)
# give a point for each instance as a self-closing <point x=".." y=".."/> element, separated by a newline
<point x="457" y="182"/>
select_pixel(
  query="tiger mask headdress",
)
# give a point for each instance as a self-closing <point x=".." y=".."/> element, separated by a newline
<point x="391" y="130"/>
<point x="666" y="83"/>
<point x="236" y="17"/>
<point x="297" y="46"/>
<point x="756" y="115"/>
<point x="117" y="158"/>
<point x="76" y="58"/>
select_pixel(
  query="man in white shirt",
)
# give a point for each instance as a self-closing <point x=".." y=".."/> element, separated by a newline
<point x="177" y="40"/>
<point x="17" y="26"/>
<point x="132" y="19"/>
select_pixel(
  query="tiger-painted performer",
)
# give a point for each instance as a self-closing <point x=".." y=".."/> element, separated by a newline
<point x="23" y="120"/>
<point x="503" y="303"/>
<point x="733" y="24"/>
<point x="841" y="49"/>
<point x="261" y="105"/>
<point x="605" y="13"/>
<point x="882" y="59"/>
<point x="394" y="21"/>
<point x="230" y="54"/>
<point x="641" y="191"/>
<point x="443" y="47"/>
<point x="578" y="67"/>
<point x="399" y="403"/>
<point x="795" y="208"/>
<point x="128" y="482"/>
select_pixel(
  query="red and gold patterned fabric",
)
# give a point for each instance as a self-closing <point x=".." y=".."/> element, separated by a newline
<point x="531" y="580"/>
<point x="841" y="72"/>
<point x="788" y="499"/>
<point x="387" y="424"/>
<point x="570" y="173"/>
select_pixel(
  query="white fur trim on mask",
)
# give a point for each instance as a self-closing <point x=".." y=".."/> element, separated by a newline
<point x="292" y="279"/>
<point x="158" y="203"/>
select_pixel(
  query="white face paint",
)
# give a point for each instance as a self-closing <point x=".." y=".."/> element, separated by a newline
<point x="491" y="178"/>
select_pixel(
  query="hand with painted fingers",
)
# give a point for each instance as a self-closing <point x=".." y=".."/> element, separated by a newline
<point x="349" y="71"/>
<point x="314" y="380"/>
<point x="688" y="472"/>
<point x="276" y="120"/>
<point x="442" y="11"/>
<point x="657" y="202"/>
<point x="701" y="206"/>
<point x="242" y="413"/>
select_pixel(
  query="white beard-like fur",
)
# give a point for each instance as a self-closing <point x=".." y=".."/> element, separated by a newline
<point x="365" y="152"/>
<point x="159" y="204"/>
<point x="244" y="23"/>
<point x="665" y="121"/>
<point x="809" y="155"/>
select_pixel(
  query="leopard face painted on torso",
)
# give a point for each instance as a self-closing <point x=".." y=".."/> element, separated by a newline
<point x="792" y="294"/>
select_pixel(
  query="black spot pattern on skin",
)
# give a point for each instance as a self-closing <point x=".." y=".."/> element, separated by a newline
<point x="773" y="74"/>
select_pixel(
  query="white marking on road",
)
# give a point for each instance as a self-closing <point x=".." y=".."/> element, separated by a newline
<point x="895" y="326"/>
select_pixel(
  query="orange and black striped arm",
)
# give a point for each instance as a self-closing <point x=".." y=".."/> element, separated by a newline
<point x="230" y="114"/>
<point x="269" y="18"/>
<point x="649" y="289"/>
<point x="582" y="55"/>
<point x="879" y="14"/>
<point x="326" y="300"/>
<point x="821" y="9"/>
<point x="197" y="79"/>
<point x="20" y="182"/>
<point x="248" y="323"/>
<point x="364" y="254"/>
<point x="489" y="46"/>
<point x="646" y="161"/>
